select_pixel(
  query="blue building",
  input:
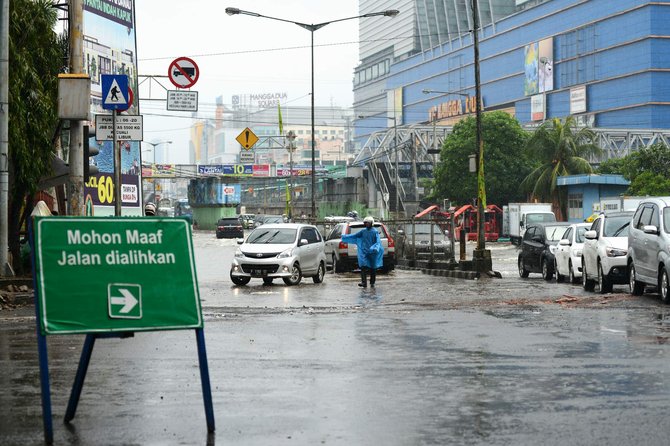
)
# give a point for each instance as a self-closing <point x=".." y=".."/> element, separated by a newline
<point x="605" y="62"/>
<point x="584" y="191"/>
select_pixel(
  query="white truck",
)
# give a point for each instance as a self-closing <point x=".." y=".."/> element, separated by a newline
<point x="517" y="216"/>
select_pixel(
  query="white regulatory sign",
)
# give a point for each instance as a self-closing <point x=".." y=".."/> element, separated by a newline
<point x="128" y="128"/>
<point x="246" y="156"/>
<point x="181" y="100"/>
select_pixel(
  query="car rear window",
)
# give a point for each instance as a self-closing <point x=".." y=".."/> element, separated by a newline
<point x="228" y="222"/>
<point x="276" y="236"/>
<point x="355" y="229"/>
<point x="554" y="233"/>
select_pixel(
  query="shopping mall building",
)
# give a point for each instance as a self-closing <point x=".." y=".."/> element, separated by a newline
<point x="606" y="62"/>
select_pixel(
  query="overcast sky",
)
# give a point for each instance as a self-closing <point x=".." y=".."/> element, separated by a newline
<point x="243" y="54"/>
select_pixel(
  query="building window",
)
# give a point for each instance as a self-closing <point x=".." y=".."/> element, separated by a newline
<point x="575" y="206"/>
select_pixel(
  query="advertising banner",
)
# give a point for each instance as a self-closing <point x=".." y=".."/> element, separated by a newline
<point x="530" y="62"/>
<point x="261" y="170"/>
<point x="546" y="65"/>
<point x="226" y="169"/>
<point x="537" y="107"/>
<point x="163" y="170"/>
<point x="110" y="48"/>
<point x="578" y="100"/>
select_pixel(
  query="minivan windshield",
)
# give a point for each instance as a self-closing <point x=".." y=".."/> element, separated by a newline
<point x="617" y="226"/>
<point x="276" y="236"/>
<point x="666" y="219"/>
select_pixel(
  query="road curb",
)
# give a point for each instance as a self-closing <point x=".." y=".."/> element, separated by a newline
<point x="457" y="274"/>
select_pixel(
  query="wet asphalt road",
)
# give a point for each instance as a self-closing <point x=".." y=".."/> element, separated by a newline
<point x="421" y="360"/>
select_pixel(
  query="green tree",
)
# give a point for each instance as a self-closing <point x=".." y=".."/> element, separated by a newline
<point x="561" y="149"/>
<point x="505" y="161"/>
<point x="35" y="59"/>
<point x="647" y="169"/>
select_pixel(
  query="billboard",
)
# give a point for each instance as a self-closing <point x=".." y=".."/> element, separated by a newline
<point x="110" y="47"/>
<point x="545" y="67"/>
<point x="538" y="67"/>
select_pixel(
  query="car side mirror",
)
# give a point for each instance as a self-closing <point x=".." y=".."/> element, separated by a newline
<point x="240" y="241"/>
<point x="303" y="242"/>
<point x="564" y="242"/>
<point x="591" y="235"/>
<point x="650" y="229"/>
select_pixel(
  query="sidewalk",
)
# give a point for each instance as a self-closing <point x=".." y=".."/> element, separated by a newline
<point x="15" y="291"/>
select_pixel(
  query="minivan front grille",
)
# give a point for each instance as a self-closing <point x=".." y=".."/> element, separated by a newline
<point x="260" y="255"/>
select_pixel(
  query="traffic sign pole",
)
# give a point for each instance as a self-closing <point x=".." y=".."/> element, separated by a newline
<point x="117" y="168"/>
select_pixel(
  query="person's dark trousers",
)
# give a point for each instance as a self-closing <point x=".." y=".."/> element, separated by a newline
<point x="373" y="276"/>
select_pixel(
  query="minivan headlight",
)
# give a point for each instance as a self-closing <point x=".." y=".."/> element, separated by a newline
<point x="577" y="253"/>
<point x="285" y="254"/>
<point x="238" y="253"/>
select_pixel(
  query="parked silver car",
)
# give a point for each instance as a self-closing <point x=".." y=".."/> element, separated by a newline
<point x="649" y="247"/>
<point x="289" y="251"/>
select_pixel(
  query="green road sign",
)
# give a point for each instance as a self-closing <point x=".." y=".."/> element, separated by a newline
<point x="115" y="274"/>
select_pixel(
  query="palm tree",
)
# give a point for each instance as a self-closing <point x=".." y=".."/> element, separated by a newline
<point x="561" y="148"/>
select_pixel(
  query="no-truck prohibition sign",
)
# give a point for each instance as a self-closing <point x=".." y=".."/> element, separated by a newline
<point x="183" y="72"/>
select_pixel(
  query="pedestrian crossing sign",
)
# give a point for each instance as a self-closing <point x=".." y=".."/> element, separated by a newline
<point x="114" y="91"/>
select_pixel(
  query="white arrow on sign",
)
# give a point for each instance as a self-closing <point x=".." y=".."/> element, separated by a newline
<point x="128" y="301"/>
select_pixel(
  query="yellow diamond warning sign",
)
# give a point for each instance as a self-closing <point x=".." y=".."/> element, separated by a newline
<point x="247" y="138"/>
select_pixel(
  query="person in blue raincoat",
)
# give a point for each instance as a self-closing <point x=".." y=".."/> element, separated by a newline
<point x="370" y="251"/>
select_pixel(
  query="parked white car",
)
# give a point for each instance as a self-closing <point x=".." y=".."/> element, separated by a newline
<point x="649" y="247"/>
<point x="604" y="252"/>
<point x="568" y="253"/>
<point x="288" y="251"/>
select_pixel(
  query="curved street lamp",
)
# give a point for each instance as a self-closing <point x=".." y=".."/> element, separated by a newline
<point x="311" y="28"/>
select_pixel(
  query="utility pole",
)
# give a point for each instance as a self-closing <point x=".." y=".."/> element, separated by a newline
<point x="4" y="138"/>
<point x="481" y="256"/>
<point x="75" y="186"/>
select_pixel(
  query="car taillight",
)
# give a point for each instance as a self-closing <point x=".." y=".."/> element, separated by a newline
<point x="343" y="246"/>
<point x="391" y="242"/>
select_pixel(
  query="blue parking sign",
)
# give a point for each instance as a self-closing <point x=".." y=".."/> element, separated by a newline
<point x="115" y="91"/>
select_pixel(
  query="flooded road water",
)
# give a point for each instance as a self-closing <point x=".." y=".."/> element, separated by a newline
<point x="419" y="360"/>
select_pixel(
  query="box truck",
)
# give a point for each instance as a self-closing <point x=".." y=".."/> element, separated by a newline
<point x="517" y="216"/>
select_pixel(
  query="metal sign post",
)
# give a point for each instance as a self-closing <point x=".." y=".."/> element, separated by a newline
<point x="117" y="168"/>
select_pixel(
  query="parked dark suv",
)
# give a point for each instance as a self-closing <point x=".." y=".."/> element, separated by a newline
<point x="537" y="248"/>
<point x="229" y="228"/>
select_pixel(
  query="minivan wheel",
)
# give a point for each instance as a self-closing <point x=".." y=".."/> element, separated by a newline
<point x="319" y="273"/>
<point x="296" y="276"/>
<point x="663" y="287"/>
<point x="240" y="280"/>
<point x="547" y="273"/>
<point x="523" y="272"/>
<point x="604" y="285"/>
<point x="635" y="287"/>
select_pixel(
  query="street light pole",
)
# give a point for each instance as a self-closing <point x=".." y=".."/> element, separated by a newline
<point x="481" y="256"/>
<point x="311" y="28"/>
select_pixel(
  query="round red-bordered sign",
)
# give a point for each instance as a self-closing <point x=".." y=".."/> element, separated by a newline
<point x="131" y="98"/>
<point x="183" y="72"/>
